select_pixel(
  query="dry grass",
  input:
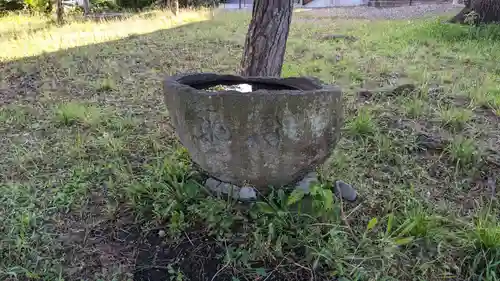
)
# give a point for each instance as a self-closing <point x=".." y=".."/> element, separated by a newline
<point x="91" y="172"/>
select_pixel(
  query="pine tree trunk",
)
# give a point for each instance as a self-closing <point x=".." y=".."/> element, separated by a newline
<point x="86" y="7"/>
<point x="266" y="38"/>
<point x="175" y="8"/>
<point x="59" y="12"/>
<point x="486" y="11"/>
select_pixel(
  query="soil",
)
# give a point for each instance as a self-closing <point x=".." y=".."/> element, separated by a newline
<point x="196" y="257"/>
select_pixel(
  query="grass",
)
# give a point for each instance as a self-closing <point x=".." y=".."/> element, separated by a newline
<point x="463" y="151"/>
<point x="95" y="186"/>
<point x="455" y="118"/>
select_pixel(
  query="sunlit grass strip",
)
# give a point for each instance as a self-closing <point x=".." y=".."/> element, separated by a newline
<point x="75" y="34"/>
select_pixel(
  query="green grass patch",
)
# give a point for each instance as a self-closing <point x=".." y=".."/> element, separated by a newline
<point x="463" y="151"/>
<point x="95" y="186"/>
<point x="455" y="118"/>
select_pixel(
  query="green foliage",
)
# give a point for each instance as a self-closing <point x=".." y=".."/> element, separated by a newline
<point x="455" y="118"/>
<point x="141" y="4"/>
<point x="175" y="274"/>
<point x="199" y="3"/>
<point x="418" y="222"/>
<point x="485" y="252"/>
<point x="11" y="5"/>
<point x="414" y="107"/>
<point x="217" y="215"/>
<point x="463" y="151"/>
<point x="98" y="6"/>
<point x="168" y="186"/>
<point x="134" y="4"/>
<point x="42" y="6"/>
<point x="487" y="231"/>
<point x="75" y="113"/>
<point x="456" y="32"/>
<point x="362" y="124"/>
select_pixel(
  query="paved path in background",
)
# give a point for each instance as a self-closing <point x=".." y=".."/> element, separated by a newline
<point x="403" y="12"/>
<point x="235" y="4"/>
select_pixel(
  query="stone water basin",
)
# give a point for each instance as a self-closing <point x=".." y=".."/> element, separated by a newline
<point x="273" y="135"/>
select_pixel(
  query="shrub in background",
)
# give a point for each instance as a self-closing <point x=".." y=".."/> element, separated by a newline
<point x="42" y="6"/>
<point x="97" y="6"/>
<point x="11" y="5"/>
<point x="134" y="4"/>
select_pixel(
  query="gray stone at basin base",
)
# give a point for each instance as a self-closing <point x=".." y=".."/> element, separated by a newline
<point x="271" y="136"/>
<point x="245" y="193"/>
<point x="305" y="184"/>
<point x="341" y="189"/>
<point x="345" y="191"/>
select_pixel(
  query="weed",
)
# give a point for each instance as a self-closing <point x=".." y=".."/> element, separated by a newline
<point x="455" y="118"/>
<point x="107" y="85"/>
<point x="463" y="151"/>
<point x="71" y="113"/>
<point x="418" y="222"/>
<point x="485" y="249"/>
<point x="492" y="100"/>
<point x="175" y="274"/>
<point x="487" y="231"/>
<point x="362" y="125"/>
<point x="415" y="107"/>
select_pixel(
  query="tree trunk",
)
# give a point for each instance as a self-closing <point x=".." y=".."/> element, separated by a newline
<point x="59" y="12"/>
<point x="240" y="4"/>
<point x="86" y="7"/>
<point x="485" y="11"/>
<point x="175" y="8"/>
<point x="266" y="38"/>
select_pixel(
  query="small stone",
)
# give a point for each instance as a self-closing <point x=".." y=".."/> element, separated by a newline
<point x="305" y="183"/>
<point x="161" y="233"/>
<point x="345" y="191"/>
<point x="247" y="193"/>
<point x="433" y="91"/>
<point x="227" y="188"/>
<point x="430" y="141"/>
<point x="212" y="184"/>
<point x="404" y="89"/>
<point x="493" y="186"/>
<point x="365" y="94"/>
<point x="339" y="36"/>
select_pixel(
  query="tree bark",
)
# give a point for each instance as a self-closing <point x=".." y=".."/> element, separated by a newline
<point x="265" y="43"/>
<point x="59" y="12"/>
<point x="175" y="7"/>
<point x="86" y="6"/>
<point x="485" y="11"/>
